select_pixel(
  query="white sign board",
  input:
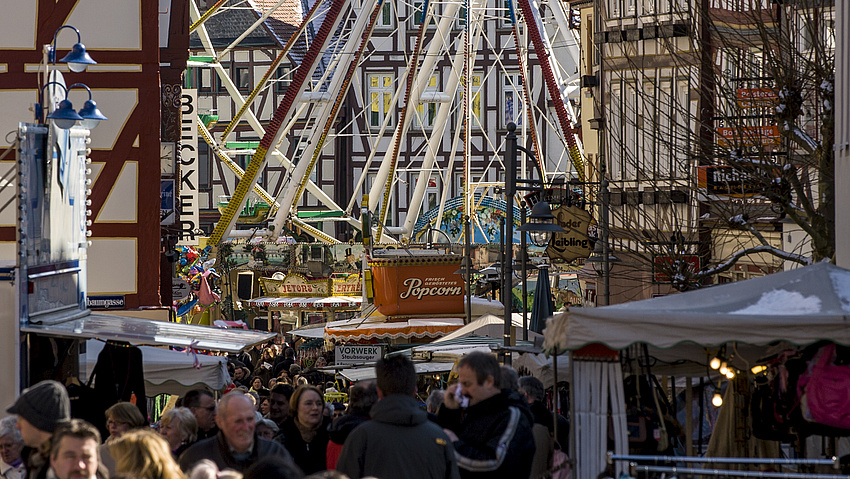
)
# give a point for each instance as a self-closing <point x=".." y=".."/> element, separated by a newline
<point x="357" y="354"/>
<point x="189" y="213"/>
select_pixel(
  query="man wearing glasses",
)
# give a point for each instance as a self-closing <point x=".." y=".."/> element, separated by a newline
<point x="202" y="404"/>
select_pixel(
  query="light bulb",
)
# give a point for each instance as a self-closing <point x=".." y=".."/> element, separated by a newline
<point x="715" y="363"/>
<point x="717" y="400"/>
<point x="758" y="368"/>
<point x="724" y="368"/>
<point x="730" y="374"/>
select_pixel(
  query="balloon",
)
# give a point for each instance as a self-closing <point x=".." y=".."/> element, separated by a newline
<point x="182" y="310"/>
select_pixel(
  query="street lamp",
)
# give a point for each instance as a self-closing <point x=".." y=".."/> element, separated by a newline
<point x="64" y="116"/>
<point x="77" y="59"/>
<point x="543" y="222"/>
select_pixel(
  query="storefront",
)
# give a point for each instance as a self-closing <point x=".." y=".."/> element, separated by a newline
<point x="293" y="300"/>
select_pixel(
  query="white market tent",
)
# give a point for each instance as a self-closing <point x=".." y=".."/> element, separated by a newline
<point x="170" y="372"/>
<point x="800" y="307"/>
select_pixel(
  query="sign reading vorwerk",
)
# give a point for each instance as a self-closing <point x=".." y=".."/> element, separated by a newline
<point x="357" y="354"/>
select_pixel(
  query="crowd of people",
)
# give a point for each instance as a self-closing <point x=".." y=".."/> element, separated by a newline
<point x="275" y="423"/>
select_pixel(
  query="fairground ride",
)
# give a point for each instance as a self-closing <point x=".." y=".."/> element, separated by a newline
<point x="451" y="50"/>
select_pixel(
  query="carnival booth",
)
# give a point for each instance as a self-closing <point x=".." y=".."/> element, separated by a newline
<point x="299" y="301"/>
<point x="765" y="332"/>
<point x="418" y="297"/>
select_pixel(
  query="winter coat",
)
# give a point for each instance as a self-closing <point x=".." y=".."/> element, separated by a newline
<point x="399" y="443"/>
<point x="310" y="457"/>
<point x="338" y="433"/>
<point x="218" y="451"/>
<point x="495" y="437"/>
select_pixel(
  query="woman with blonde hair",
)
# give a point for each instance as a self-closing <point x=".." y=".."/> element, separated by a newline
<point x="144" y="454"/>
<point x="121" y="418"/>
<point x="179" y="428"/>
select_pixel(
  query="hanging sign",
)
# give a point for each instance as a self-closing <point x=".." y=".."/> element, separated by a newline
<point x="418" y="285"/>
<point x="575" y="243"/>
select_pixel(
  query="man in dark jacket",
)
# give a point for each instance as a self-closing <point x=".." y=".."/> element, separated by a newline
<point x="492" y="435"/>
<point x="235" y="446"/>
<point x="40" y="409"/>
<point x="399" y="442"/>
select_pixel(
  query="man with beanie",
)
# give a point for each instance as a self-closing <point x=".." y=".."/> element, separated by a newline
<point x="40" y="409"/>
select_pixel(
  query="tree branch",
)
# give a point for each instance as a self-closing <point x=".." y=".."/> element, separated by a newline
<point x="797" y="258"/>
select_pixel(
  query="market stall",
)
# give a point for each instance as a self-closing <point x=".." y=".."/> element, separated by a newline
<point x="297" y="300"/>
<point x="743" y="322"/>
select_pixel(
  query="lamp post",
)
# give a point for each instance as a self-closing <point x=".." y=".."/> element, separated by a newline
<point x="63" y="115"/>
<point x="541" y="221"/>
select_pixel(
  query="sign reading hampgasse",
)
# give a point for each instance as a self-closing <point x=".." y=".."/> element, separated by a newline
<point x="357" y="354"/>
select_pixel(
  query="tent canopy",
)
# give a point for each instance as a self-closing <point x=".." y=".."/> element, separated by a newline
<point x="170" y="372"/>
<point x="800" y="306"/>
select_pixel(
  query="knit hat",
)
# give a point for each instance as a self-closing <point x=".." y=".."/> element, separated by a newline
<point x="44" y="405"/>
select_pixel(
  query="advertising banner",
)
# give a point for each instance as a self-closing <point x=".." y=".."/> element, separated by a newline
<point x="418" y="285"/>
<point x="357" y="354"/>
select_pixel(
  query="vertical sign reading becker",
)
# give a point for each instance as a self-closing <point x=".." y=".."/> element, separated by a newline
<point x="188" y="205"/>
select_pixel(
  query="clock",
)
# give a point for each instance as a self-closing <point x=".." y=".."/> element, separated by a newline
<point x="167" y="158"/>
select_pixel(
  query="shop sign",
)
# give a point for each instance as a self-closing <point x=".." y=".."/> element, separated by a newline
<point x="575" y="243"/>
<point x="167" y="214"/>
<point x="188" y="211"/>
<point x="418" y="285"/>
<point x="348" y="285"/>
<point x="748" y="136"/>
<point x="726" y="181"/>
<point x="357" y="354"/>
<point x="180" y="289"/>
<point x="295" y="285"/>
<point x="756" y="97"/>
<point x="115" y="301"/>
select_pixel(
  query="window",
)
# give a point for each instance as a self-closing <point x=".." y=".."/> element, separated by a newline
<point x="504" y="11"/>
<point x="629" y="153"/>
<point x="205" y="79"/>
<point x="299" y="143"/>
<point x="476" y="100"/>
<point x="204" y="161"/>
<point x="426" y="112"/>
<point x="417" y="14"/>
<point x="380" y="94"/>
<point x="283" y="78"/>
<point x="242" y="78"/>
<point x="615" y="135"/>
<point x="385" y="16"/>
<point x="512" y="105"/>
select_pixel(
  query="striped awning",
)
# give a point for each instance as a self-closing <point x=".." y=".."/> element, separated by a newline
<point x="324" y="302"/>
<point x="412" y="328"/>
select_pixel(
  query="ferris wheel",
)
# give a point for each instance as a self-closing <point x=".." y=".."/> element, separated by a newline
<point x="463" y="70"/>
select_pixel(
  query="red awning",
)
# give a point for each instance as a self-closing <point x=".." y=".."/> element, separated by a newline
<point x="358" y="329"/>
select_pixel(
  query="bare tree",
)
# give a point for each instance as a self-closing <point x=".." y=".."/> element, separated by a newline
<point x="720" y="128"/>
